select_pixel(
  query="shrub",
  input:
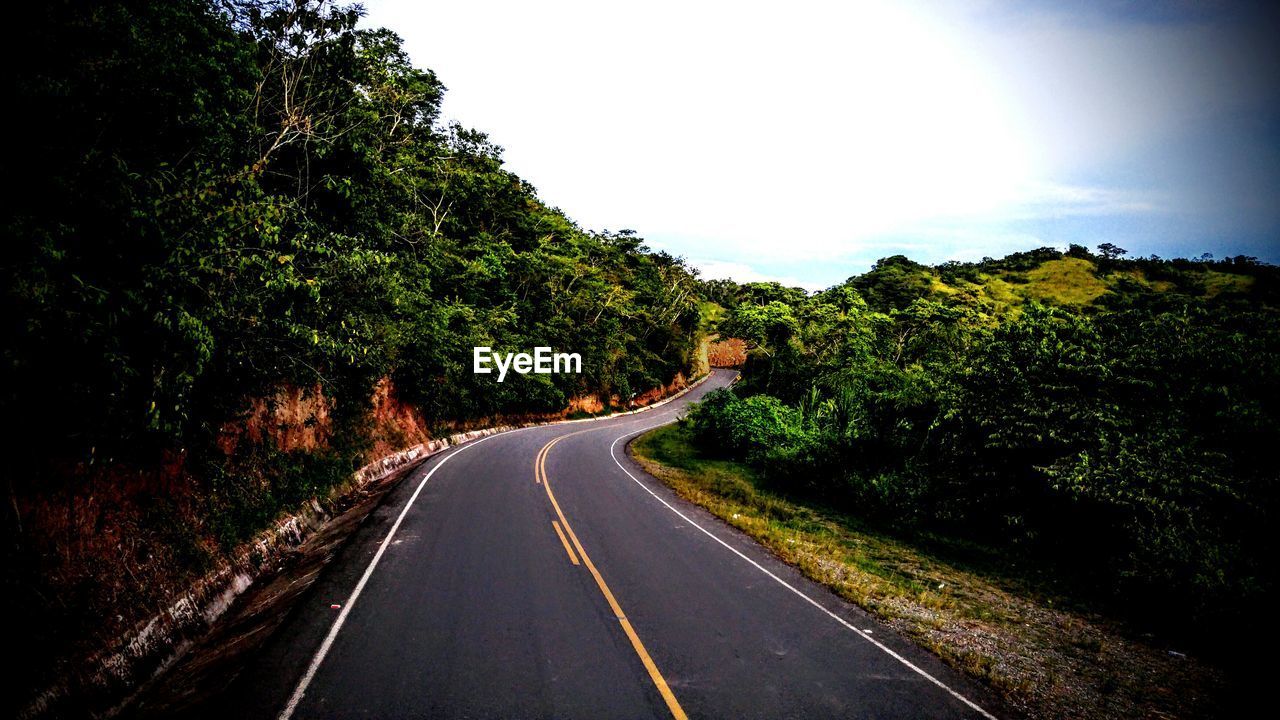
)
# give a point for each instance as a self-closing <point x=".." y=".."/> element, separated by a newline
<point x="746" y="429"/>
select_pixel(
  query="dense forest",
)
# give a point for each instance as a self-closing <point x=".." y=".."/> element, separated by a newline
<point x="214" y="199"/>
<point x="218" y="196"/>
<point x="1111" y="421"/>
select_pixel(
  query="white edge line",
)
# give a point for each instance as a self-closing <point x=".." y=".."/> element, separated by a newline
<point x="319" y="657"/>
<point x="355" y="594"/>
<point x="787" y="585"/>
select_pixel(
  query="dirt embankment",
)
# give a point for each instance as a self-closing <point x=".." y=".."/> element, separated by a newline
<point x="727" y="353"/>
<point x="122" y="562"/>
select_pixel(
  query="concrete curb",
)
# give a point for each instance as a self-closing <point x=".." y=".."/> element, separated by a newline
<point x="139" y="657"/>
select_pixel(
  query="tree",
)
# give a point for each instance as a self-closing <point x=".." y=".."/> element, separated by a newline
<point x="1111" y="251"/>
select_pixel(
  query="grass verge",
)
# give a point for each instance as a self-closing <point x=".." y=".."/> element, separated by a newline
<point x="1047" y="661"/>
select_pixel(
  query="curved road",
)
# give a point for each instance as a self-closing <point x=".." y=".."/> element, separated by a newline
<point x="541" y="574"/>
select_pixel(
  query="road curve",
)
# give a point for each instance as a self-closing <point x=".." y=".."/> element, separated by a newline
<point x="541" y="574"/>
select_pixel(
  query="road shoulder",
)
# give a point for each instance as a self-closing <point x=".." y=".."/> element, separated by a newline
<point x="1040" y="660"/>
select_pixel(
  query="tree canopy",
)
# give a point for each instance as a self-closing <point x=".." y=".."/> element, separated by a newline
<point x="1111" y="419"/>
<point x="219" y="197"/>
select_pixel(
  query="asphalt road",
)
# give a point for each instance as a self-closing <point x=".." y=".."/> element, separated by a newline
<point x="541" y="574"/>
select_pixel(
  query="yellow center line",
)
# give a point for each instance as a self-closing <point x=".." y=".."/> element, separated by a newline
<point x="572" y="558"/>
<point x="664" y="690"/>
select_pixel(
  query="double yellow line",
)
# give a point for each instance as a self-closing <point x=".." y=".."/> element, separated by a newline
<point x="540" y="476"/>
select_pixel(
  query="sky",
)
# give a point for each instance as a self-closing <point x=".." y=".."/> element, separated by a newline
<point x="802" y="141"/>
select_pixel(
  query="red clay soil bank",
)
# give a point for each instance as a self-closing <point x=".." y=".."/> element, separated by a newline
<point x="727" y="353"/>
<point x="93" y="527"/>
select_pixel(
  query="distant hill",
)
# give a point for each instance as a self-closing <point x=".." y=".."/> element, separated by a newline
<point x="1076" y="279"/>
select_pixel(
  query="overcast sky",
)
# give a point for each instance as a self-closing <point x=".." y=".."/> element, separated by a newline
<point x="801" y="141"/>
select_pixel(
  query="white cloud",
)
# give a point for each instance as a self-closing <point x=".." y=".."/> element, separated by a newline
<point x="744" y="273"/>
<point x="1058" y="199"/>
<point x="765" y="134"/>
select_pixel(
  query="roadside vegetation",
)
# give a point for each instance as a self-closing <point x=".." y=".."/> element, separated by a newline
<point x="222" y="202"/>
<point x="220" y="197"/>
<point x="1096" y="431"/>
<point x="1046" y="655"/>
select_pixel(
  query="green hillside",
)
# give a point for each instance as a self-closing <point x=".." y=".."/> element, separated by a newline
<point x="1014" y="401"/>
<point x="1074" y="279"/>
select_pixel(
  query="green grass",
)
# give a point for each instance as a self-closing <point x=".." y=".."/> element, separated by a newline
<point x="712" y="313"/>
<point x="1075" y="282"/>
<point x="805" y="535"/>
<point x="1066" y="281"/>
<point x="1000" y="292"/>
<point x="1216" y="283"/>
<point x="1069" y="281"/>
